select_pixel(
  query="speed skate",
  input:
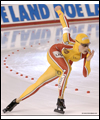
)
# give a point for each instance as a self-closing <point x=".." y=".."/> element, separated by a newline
<point x="59" y="110"/>
<point x="60" y="106"/>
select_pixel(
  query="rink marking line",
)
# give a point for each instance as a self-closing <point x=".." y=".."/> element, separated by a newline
<point x="11" y="69"/>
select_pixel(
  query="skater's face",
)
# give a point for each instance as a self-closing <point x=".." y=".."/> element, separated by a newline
<point x="83" y="48"/>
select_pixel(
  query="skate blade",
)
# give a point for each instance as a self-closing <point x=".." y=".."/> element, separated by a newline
<point x="59" y="111"/>
<point x="4" y="110"/>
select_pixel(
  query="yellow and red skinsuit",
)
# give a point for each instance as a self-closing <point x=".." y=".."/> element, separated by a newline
<point x="60" y="56"/>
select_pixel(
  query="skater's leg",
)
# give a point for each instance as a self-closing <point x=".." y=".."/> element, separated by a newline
<point x="62" y="83"/>
<point x="47" y="77"/>
<point x="59" y="63"/>
<point x="50" y="75"/>
<point x="61" y="87"/>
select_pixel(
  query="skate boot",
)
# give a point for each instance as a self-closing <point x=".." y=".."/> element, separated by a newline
<point x="10" y="106"/>
<point x="60" y="106"/>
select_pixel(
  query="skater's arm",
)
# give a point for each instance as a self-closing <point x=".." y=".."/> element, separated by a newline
<point x="66" y="30"/>
<point x="86" y="66"/>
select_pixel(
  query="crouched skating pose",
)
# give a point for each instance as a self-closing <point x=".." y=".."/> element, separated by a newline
<point x="60" y="56"/>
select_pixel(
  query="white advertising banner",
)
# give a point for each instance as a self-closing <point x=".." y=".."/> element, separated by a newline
<point x="25" y="13"/>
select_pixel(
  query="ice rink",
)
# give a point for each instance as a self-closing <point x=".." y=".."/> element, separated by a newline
<point x="23" y="61"/>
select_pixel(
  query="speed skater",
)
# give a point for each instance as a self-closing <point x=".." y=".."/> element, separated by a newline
<point x="60" y="57"/>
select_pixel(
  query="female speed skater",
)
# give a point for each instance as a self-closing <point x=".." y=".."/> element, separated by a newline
<point x="60" y="57"/>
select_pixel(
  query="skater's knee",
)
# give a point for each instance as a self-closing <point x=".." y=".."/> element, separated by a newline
<point x="66" y="70"/>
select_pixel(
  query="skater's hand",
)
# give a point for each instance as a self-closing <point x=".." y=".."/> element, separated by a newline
<point x="57" y="8"/>
<point x="90" y="55"/>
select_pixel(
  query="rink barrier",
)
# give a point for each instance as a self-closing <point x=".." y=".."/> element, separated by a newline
<point x="48" y="22"/>
<point x="26" y="37"/>
<point x="46" y="25"/>
<point x="13" y="15"/>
